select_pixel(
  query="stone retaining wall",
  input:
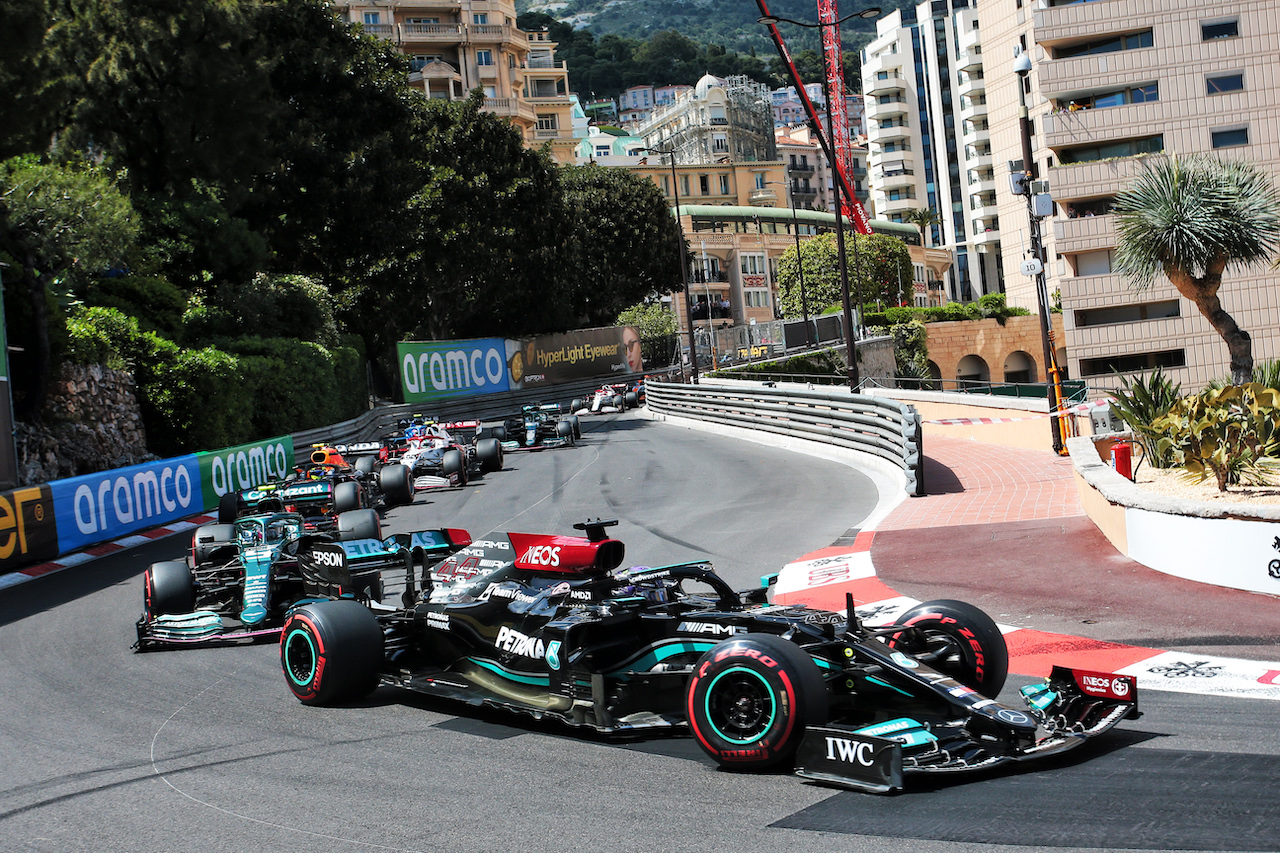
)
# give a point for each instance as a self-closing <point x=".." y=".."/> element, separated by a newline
<point x="93" y="423"/>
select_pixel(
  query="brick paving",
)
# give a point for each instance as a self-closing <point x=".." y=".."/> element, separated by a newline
<point x="968" y="482"/>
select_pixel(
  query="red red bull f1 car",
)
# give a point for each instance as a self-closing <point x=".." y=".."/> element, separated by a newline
<point x="552" y="626"/>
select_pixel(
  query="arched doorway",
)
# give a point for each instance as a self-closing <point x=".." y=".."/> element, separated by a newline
<point x="1019" y="367"/>
<point x="972" y="369"/>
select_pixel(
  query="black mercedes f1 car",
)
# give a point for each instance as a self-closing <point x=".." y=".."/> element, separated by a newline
<point x="550" y="626"/>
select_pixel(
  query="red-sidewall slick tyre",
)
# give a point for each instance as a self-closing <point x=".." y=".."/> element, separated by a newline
<point x="750" y="699"/>
<point x="331" y="652"/>
<point x="964" y="642"/>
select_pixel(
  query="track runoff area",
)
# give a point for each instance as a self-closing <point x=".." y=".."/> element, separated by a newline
<point x="825" y="578"/>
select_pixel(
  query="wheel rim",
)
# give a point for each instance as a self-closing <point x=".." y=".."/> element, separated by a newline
<point x="299" y="657"/>
<point x="740" y="705"/>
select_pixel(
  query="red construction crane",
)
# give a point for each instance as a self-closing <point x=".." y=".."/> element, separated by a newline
<point x="836" y="148"/>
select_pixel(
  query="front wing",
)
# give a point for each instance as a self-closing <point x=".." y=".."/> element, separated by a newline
<point x="1071" y="707"/>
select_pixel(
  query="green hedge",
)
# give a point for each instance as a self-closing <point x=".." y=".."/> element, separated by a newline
<point x="241" y="390"/>
<point x="990" y="306"/>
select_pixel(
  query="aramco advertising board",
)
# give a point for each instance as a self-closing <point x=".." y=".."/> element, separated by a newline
<point x="442" y="370"/>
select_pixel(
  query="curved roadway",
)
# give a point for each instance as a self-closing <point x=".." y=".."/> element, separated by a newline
<point x="107" y="750"/>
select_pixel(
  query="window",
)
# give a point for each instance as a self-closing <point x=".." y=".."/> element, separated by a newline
<point x="724" y="185"/>
<point x="1112" y="150"/>
<point x="1231" y="138"/>
<point x="1127" y="313"/>
<point x="1225" y="83"/>
<point x="547" y="121"/>
<point x="1111" y="44"/>
<point x="1132" y="363"/>
<point x="684" y="185"/>
<point x="1219" y="30"/>
<point x="480" y="18"/>
<point x="760" y="182"/>
<point x="484" y="57"/>
<point x="373" y="17"/>
<point x="1093" y="263"/>
<point x="603" y="151"/>
<point x="751" y="264"/>
<point x="720" y="144"/>
<point x="1134" y="95"/>
<point x="704" y="184"/>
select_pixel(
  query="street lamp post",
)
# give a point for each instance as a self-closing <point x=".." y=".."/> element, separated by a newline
<point x="795" y="229"/>
<point x="1022" y="67"/>
<point x="684" y="268"/>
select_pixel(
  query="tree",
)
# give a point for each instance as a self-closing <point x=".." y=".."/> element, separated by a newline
<point x="620" y="226"/>
<point x="1193" y="218"/>
<point x="29" y="84"/>
<point x="650" y="319"/>
<point x="482" y="247"/>
<point x="54" y="220"/>
<point x="881" y="265"/>
<point x="922" y="218"/>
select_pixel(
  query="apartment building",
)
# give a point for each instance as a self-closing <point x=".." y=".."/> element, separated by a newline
<point x="810" y="172"/>
<point x="455" y="46"/>
<point x="717" y="120"/>
<point x="1113" y="83"/>
<point x="927" y="137"/>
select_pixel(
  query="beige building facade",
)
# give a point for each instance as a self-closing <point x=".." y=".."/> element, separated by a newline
<point x="1113" y="83"/>
<point x="455" y="46"/>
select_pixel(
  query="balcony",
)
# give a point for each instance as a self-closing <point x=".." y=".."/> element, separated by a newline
<point x="490" y="33"/>
<point x="979" y="158"/>
<point x="1084" y="234"/>
<point x="1077" y="22"/>
<point x="982" y="209"/>
<point x="1077" y="127"/>
<point x="883" y="62"/>
<point x="806" y="191"/>
<point x="510" y="108"/>
<point x="385" y="31"/>
<point x="969" y="59"/>
<point x="414" y="8"/>
<point x="975" y="132"/>
<point x="431" y="33"/>
<point x="1095" y="178"/>
<point x="800" y="168"/>
<point x="988" y="236"/>
<point x="981" y="183"/>
<point x="971" y="85"/>
<point x="884" y="131"/>
<point x="898" y="178"/>
<point x="762" y="197"/>
<point x="898" y="205"/>
<point x="875" y="85"/>
<point x="971" y="108"/>
<point x="887" y="109"/>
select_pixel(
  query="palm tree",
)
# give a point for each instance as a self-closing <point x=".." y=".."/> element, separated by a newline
<point x="1192" y="218"/>
<point x="922" y="218"/>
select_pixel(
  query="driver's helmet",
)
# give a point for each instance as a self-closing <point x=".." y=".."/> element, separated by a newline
<point x="277" y="531"/>
<point x="251" y="534"/>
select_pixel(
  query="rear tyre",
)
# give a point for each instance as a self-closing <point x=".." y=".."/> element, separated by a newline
<point x="396" y="484"/>
<point x="577" y="427"/>
<point x="958" y="640"/>
<point x="365" y="464"/>
<point x="500" y="432"/>
<point x="750" y="699"/>
<point x="346" y="496"/>
<point x="489" y="452"/>
<point x="619" y="403"/>
<point x="633" y="399"/>
<point x="577" y="405"/>
<point x="331" y="652"/>
<point x="359" y="524"/>
<point x="168" y="588"/>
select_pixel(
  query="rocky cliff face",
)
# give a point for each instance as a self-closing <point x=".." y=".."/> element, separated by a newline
<point x="93" y="424"/>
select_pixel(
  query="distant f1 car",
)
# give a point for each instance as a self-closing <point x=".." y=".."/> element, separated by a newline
<point x="321" y="490"/>
<point x="539" y="426"/>
<point x="436" y="454"/>
<point x="550" y="626"/>
<point x="240" y="578"/>
<point x="608" y="399"/>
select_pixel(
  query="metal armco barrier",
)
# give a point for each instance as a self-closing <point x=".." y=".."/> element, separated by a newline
<point x="884" y="428"/>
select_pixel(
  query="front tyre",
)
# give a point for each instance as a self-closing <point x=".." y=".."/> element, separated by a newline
<point x="168" y="588"/>
<point x="750" y="699"/>
<point x="958" y="640"/>
<point x="331" y="652"/>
